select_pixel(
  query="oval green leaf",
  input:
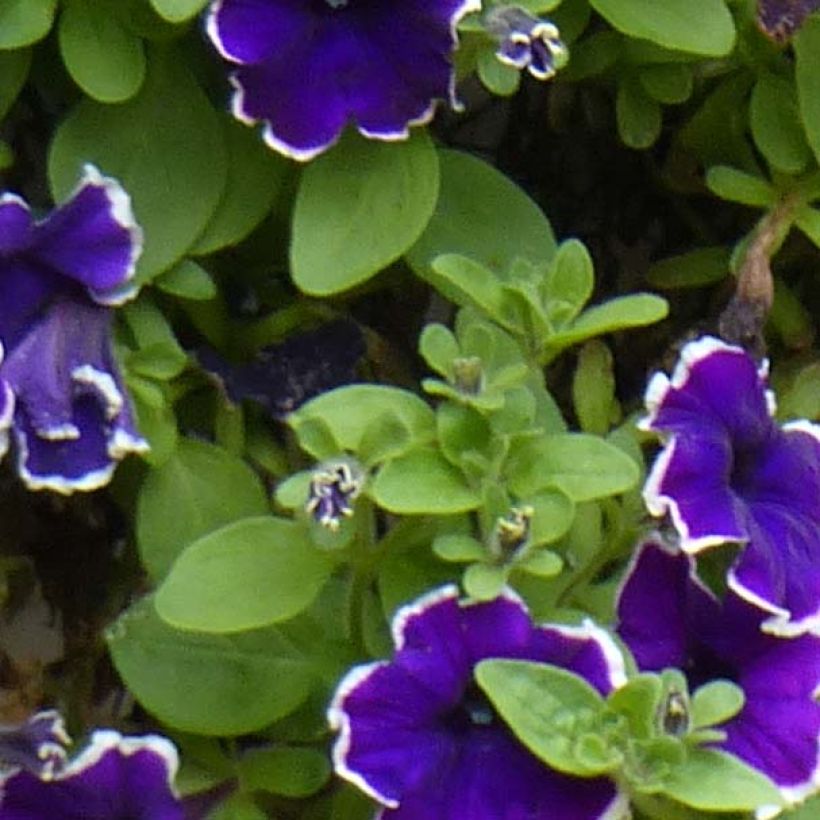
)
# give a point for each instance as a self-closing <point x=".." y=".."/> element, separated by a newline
<point x="199" y="489"/>
<point x="207" y="684"/>
<point x="249" y="574"/>
<point x="360" y="207"/>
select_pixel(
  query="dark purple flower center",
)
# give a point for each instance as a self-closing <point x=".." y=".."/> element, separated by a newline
<point x="741" y="476"/>
<point x="474" y="709"/>
<point x="703" y="665"/>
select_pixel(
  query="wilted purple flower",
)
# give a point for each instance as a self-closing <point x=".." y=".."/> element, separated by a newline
<point x="113" y="778"/>
<point x="308" y="68"/>
<point x="526" y="41"/>
<point x="418" y="736"/>
<point x="282" y="377"/>
<point x="729" y="473"/>
<point x="72" y="416"/>
<point x="334" y="486"/>
<point x="38" y="745"/>
<point x="780" y="19"/>
<point x="669" y="619"/>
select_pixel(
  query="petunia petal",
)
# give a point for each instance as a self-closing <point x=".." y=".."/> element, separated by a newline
<point x="92" y="238"/>
<point x="114" y="777"/>
<point x="16" y="224"/>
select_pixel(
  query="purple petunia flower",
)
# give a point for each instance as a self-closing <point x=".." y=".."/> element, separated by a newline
<point x="38" y="745"/>
<point x="309" y="67"/>
<point x="417" y="735"/>
<point x="729" y="473"/>
<point x="72" y="418"/>
<point x="114" y="777"/>
<point x="669" y="619"/>
<point x="780" y="19"/>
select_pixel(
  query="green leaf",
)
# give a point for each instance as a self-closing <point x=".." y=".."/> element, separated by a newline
<point x="155" y="418"/>
<point x="702" y="266"/>
<point x="467" y="282"/>
<point x="776" y="126"/>
<point x="704" y="27"/>
<point x="638" y="702"/>
<point x="188" y="280"/>
<point x="553" y="515"/>
<point x="255" y="178"/>
<point x="542" y="563"/>
<point x="238" y="806"/>
<point x="738" y="186"/>
<point x="292" y="772"/>
<point x="248" y="574"/>
<point x="165" y="146"/>
<point x="459" y="548"/>
<point x="176" y="11"/>
<point x="349" y="411"/>
<point x="668" y="83"/>
<point x="159" y="361"/>
<point x="497" y="77"/>
<point x="23" y="22"/>
<point x="716" y="702"/>
<point x="102" y="56"/>
<point x="710" y="780"/>
<point x="808" y="220"/>
<point x="422" y="481"/>
<point x="570" y="281"/>
<point x="359" y="207"/>
<point x="482" y="215"/>
<point x="439" y="347"/>
<point x="593" y="388"/>
<point x="14" y="66"/>
<point x="483" y="582"/>
<point x="199" y="489"/>
<point x="638" y="115"/>
<point x="549" y="709"/>
<point x="583" y="467"/>
<point x="208" y="684"/>
<point x="634" y="310"/>
<point x="807" y="67"/>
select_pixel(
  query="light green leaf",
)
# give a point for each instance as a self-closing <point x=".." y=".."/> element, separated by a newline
<point x="808" y="220"/>
<point x="422" y="481"/>
<point x="570" y="281"/>
<point x="716" y="702"/>
<point x="359" y="207"/>
<point x="439" y="347"/>
<point x="583" y="467"/>
<point x="807" y="66"/>
<point x="208" y="684"/>
<point x="199" y="489"/>
<point x="593" y="388"/>
<point x="102" y="56"/>
<point x="467" y="282"/>
<point x="23" y="22"/>
<point x="704" y="27"/>
<point x="549" y="709"/>
<point x="711" y="780"/>
<point x="348" y="411"/>
<point x="482" y="215"/>
<point x="255" y="177"/>
<point x="165" y="146"/>
<point x="483" y="582"/>
<point x="176" y="11"/>
<point x="634" y="310"/>
<point x="248" y="574"/>
<point x="458" y="548"/>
